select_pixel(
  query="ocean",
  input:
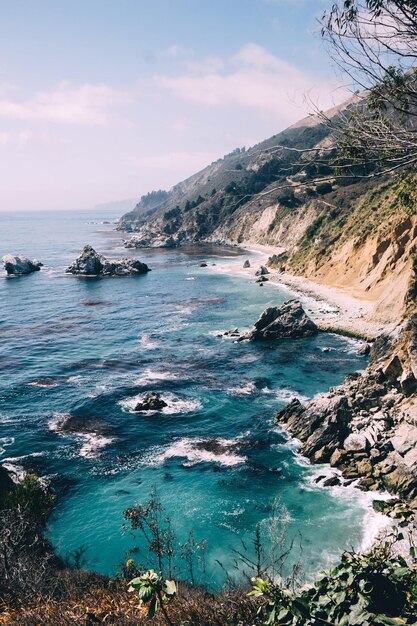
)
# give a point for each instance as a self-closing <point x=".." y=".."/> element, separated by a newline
<point x="77" y="353"/>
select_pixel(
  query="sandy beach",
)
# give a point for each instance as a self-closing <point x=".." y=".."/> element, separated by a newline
<point x="330" y="307"/>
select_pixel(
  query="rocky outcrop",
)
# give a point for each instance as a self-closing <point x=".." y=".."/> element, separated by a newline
<point x="246" y="264"/>
<point x="366" y="427"/>
<point x="90" y="263"/>
<point x="151" y="401"/>
<point x="20" y="265"/>
<point x="288" y="321"/>
<point x="6" y="482"/>
<point x="261" y="271"/>
<point x="147" y="240"/>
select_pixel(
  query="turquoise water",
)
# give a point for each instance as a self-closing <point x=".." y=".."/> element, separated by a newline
<point x="83" y="350"/>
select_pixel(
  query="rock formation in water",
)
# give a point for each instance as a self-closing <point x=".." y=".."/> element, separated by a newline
<point x="246" y="264"/>
<point x="151" y="401"/>
<point x="288" y="321"/>
<point x="261" y="271"/>
<point x="90" y="263"/>
<point x="20" y="265"/>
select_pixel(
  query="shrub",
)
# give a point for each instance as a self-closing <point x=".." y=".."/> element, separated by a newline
<point x="323" y="188"/>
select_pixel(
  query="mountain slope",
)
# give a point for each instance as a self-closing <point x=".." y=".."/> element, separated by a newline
<point x="354" y="232"/>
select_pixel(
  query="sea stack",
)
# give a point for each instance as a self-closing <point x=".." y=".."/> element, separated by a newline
<point x="288" y="321"/>
<point x="20" y="265"/>
<point x="90" y="263"/>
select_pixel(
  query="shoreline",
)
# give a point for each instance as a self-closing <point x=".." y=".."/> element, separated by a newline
<point x="334" y="312"/>
<point x="333" y="309"/>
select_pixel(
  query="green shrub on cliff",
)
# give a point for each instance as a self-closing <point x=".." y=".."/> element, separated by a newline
<point x="363" y="590"/>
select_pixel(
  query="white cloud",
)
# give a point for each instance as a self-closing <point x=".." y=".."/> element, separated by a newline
<point x="87" y="105"/>
<point x="256" y="79"/>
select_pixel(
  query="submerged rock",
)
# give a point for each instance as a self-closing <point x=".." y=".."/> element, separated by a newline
<point x="288" y="321"/>
<point x="20" y="265"/>
<point x="151" y="401"/>
<point x="90" y="263"/>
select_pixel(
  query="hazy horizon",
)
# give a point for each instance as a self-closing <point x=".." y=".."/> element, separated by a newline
<point x="100" y="102"/>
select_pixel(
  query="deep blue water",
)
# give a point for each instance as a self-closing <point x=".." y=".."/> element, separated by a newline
<point x="86" y="348"/>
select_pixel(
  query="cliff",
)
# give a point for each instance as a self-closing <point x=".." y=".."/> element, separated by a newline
<point x="356" y="233"/>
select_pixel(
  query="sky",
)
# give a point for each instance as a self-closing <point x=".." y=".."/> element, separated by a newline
<point x="102" y="100"/>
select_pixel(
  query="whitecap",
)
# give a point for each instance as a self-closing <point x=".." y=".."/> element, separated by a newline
<point x="244" y="390"/>
<point x="285" y="395"/>
<point x="148" y="343"/>
<point x="373" y="522"/>
<point x="75" y="380"/>
<point x="93" y="444"/>
<point x="190" y="278"/>
<point x="193" y="450"/>
<point x="57" y="421"/>
<point x="5" y="442"/>
<point x="150" y="375"/>
<point x="175" y="405"/>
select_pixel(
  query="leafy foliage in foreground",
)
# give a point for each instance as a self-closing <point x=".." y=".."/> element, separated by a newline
<point x="363" y="590"/>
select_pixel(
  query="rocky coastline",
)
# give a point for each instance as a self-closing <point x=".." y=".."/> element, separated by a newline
<point x="366" y="428"/>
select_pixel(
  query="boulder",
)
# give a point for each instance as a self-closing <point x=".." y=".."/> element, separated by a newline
<point x="203" y="264"/>
<point x="261" y="271"/>
<point x="262" y="279"/>
<point x="288" y="321"/>
<point x="151" y="401"/>
<point x="356" y="442"/>
<point x="20" y="265"/>
<point x="90" y="263"/>
<point x="246" y="264"/>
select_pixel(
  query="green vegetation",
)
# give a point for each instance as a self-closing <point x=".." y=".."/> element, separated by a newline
<point x="154" y="592"/>
<point x="363" y="590"/>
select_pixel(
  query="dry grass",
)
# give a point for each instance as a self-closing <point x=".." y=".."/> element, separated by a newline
<point x="100" y="601"/>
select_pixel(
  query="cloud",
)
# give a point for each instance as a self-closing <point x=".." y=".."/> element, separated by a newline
<point x="256" y="79"/>
<point x="85" y="105"/>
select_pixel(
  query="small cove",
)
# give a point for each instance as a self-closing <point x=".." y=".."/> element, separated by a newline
<point x="76" y="353"/>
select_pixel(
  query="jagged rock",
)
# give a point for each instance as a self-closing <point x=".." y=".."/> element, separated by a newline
<point x="233" y="332"/>
<point x="20" y="265"/>
<point x="287" y="321"/>
<point x="393" y="370"/>
<point x="90" y="263"/>
<point x="408" y="383"/>
<point x="246" y="264"/>
<point x="277" y="261"/>
<point x="364" y="350"/>
<point x="338" y="457"/>
<point x="151" y="401"/>
<point x="151" y="240"/>
<point x="332" y="481"/>
<point x="404" y="439"/>
<point x="356" y="442"/>
<point x="261" y="271"/>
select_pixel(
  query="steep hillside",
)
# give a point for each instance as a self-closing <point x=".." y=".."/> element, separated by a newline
<point x="357" y="233"/>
